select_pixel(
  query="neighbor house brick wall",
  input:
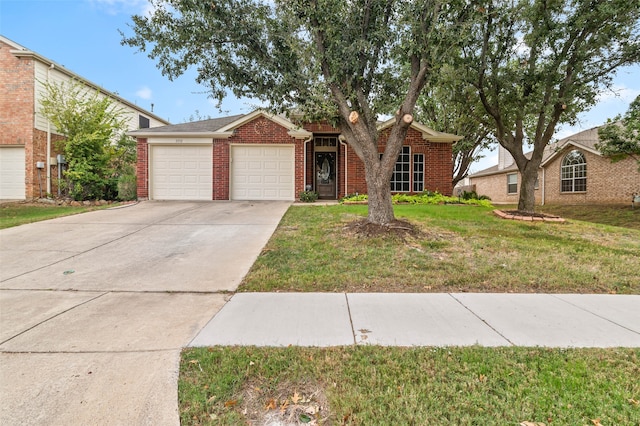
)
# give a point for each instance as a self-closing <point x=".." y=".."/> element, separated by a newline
<point x="39" y="153"/>
<point x="142" y="169"/>
<point x="495" y="187"/>
<point x="607" y="183"/>
<point x="17" y="108"/>
<point x="18" y="98"/>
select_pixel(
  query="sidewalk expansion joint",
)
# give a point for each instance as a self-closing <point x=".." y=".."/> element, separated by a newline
<point x="353" y="332"/>
<point x="482" y="319"/>
<point x="595" y="314"/>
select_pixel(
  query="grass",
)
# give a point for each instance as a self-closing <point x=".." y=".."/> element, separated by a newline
<point x="15" y="214"/>
<point x="463" y="248"/>
<point x="368" y="385"/>
<point x="623" y="216"/>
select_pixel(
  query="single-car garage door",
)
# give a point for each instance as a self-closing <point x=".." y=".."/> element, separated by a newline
<point x="12" y="173"/>
<point x="182" y="172"/>
<point x="262" y="172"/>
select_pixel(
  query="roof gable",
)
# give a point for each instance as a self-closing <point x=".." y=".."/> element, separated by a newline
<point x="293" y="130"/>
<point x="428" y="133"/>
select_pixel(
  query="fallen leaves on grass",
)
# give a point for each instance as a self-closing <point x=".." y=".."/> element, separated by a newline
<point x="289" y="403"/>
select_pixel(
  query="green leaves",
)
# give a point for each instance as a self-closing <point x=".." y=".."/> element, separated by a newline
<point x="620" y="138"/>
<point x="96" y="147"/>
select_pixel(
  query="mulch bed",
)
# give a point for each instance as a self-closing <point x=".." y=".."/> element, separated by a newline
<point x="398" y="228"/>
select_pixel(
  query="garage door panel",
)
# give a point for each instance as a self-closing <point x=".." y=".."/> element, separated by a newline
<point x="262" y="172"/>
<point x="12" y="173"/>
<point x="181" y="172"/>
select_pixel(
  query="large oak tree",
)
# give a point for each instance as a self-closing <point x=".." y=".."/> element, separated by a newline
<point x="346" y="61"/>
<point x="538" y="63"/>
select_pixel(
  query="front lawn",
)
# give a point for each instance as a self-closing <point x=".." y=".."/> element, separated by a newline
<point x="369" y="385"/>
<point x="20" y="213"/>
<point x="463" y="248"/>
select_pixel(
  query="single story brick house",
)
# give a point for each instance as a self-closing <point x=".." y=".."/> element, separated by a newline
<point x="259" y="156"/>
<point x="28" y="155"/>
<point x="572" y="172"/>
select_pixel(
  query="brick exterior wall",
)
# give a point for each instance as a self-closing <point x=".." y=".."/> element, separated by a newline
<point x="495" y="187"/>
<point x="142" y="169"/>
<point x="17" y="110"/>
<point x="258" y="131"/>
<point x="437" y="156"/>
<point x="607" y="183"/>
<point x="438" y="160"/>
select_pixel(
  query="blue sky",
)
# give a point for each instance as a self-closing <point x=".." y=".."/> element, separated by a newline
<point x="82" y="35"/>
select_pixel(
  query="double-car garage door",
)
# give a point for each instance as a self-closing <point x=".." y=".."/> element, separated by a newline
<point x="256" y="172"/>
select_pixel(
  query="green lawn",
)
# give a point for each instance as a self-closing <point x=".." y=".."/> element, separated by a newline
<point x="368" y="385"/>
<point x="15" y="214"/>
<point x="463" y="248"/>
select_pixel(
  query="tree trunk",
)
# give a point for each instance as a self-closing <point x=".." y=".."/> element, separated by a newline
<point x="379" y="191"/>
<point x="527" y="197"/>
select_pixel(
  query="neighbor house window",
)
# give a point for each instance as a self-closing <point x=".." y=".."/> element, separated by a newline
<point x="143" y="122"/>
<point x="418" y="172"/>
<point x="512" y="183"/>
<point x="573" y="172"/>
<point x="401" y="177"/>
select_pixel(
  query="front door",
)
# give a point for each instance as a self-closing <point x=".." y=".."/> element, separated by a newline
<point x="326" y="175"/>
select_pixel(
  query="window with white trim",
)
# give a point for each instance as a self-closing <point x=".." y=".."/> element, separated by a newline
<point x="573" y="172"/>
<point x="401" y="177"/>
<point x="418" y="172"/>
<point x="512" y="183"/>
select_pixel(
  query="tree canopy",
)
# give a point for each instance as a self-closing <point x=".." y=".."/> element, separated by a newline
<point x="96" y="147"/>
<point x="620" y="138"/>
<point x="324" y="59"/>
<point x="538" y="63"/>
<point x="531" y="63"/>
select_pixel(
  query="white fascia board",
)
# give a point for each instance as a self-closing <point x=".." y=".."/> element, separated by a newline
<point x="427" y="132"/>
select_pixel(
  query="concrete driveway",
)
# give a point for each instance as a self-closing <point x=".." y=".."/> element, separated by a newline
<point x="95" y="308"/>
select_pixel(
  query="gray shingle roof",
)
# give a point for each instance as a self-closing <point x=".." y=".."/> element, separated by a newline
<point x="210" y="125"/>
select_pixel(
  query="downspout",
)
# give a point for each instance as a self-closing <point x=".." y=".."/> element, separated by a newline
<point x="48" y="153"/>
<point x="346" y="162"/>
<point x="543" y="185"/>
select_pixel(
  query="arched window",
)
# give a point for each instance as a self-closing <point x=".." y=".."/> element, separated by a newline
<point x="573" y="174"/>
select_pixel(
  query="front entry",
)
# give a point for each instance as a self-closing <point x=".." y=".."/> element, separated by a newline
<point x="325" y="175"/>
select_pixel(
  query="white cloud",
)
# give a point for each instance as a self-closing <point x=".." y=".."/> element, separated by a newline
<point x="619" y="93"/>
<point x="144" y="93"/>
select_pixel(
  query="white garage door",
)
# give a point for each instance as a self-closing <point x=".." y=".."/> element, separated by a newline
<point x="262" y="172"/>
<point x="181" y="172"/>
<point x="12" y="173"/>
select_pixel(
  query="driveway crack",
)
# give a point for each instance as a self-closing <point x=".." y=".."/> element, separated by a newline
<point x="52" y="317"/>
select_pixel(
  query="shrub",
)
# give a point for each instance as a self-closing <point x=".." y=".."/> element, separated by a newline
<point x="308" y="196"/>
<point x="127" y="187"/>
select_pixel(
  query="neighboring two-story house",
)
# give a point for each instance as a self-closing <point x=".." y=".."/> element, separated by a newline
<point x="28" y="160"/>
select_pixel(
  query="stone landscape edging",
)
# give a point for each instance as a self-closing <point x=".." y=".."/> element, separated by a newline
<point x="505" y="215"/>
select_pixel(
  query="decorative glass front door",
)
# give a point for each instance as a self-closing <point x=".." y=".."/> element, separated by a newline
<point x="326" y="175"/>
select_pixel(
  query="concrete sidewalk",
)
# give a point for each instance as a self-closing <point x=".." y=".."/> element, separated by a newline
<point x="456" y="319"/>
